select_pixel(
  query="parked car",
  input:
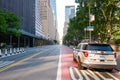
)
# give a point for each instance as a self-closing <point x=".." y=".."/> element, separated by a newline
<point x="95" y="55"/>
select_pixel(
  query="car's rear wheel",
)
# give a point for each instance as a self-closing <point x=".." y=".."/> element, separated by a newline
<point x="109" y="70"/>
<point x="74" y="58"/>
<point x="80" y="64"/>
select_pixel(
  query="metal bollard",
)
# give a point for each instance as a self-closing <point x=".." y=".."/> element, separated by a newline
<point x="23" y="50"/>
<point x="6" y="52"/>
<point x="10" y="51"/>
<point x="0" y="53"/>
<point x="18" y="50"/>
<point x="14" y="50"/>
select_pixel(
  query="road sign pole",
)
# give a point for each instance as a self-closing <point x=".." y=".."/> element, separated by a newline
<point x="90" y="36"/>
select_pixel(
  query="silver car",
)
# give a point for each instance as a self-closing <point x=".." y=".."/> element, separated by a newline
<point x="95" y="55"/>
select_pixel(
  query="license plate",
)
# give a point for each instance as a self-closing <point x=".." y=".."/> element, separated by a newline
<point x="102" y="58"/>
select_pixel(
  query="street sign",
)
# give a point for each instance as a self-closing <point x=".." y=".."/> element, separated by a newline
<point x="90" y="28"/>
<point x="85" y="29"/>
<point x="92" y="17"/>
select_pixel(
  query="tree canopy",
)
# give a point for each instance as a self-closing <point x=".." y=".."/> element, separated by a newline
<point x="9" y="23"/>
<point x="107" y="17"/>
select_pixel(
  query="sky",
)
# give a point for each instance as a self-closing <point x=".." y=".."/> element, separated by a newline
<point x="60" y="4"/>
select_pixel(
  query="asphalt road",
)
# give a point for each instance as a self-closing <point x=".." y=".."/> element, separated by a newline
<point x="39" y="63"/>
<point x="54" y="62"/>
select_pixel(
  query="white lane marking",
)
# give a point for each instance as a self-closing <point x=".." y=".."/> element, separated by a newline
<point x="72" y="74"/>
<point x="59" y="68"/>
<point x="112" y="76"/>
<point x="93" y="75"/>
<point x="5" y="63"/>
<point x="80" y="76"/>
<point x="103" y="76"/>
<point x="83" y="72"/>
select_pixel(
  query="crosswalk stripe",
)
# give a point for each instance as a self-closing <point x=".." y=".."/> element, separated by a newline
<point x="93" y="75"/>
<point x="80" y="76"/>
<point x="88" y="74"/>
<point x="112" y="76"/>
<point x="72" y="74"/>
<point x="103" y="76"/>
<point x="84" y="74"/>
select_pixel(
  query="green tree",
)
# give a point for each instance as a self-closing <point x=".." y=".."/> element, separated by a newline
<point x="107" y="14"/>
<point x="9" y="23"/>
<point x="13" y="23"/>
<point x="2" y="22"/>
<point x="109" y="9"/>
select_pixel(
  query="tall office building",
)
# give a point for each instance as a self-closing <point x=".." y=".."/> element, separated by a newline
<point x="31" y="23"/>
<point x="69" y="13"/>
<point x="29" y="13"/>
<point x="38" y="21"/>
<point x="77" y="1"/>
<point x="53" y="5"/>
<point x="47" y="18"/>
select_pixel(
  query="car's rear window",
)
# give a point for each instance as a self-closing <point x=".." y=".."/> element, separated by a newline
<point x="99" y="47"/>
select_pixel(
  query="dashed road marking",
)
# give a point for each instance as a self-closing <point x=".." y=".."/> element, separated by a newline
<point x="90" y="75"/>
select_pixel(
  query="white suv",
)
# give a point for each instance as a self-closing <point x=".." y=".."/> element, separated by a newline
<point x="95" y="55"/>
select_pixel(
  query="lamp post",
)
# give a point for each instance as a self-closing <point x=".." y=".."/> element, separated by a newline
<point x="108" y="38"/>
<point x="99" y="37"/>
<point x="85" y="33"/>
<point x="91" y="17"/>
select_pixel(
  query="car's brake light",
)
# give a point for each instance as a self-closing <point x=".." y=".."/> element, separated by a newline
<point x="85" y="53"/>
<point x="115" y="55"/>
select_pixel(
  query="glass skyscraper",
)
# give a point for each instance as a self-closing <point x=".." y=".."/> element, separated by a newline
<point x="29" y="13"/>
<point x="69" y="12"/>
<point x="53" y="5"/>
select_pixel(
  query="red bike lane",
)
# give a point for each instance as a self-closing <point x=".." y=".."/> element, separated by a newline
<point x="66" y="62"/>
